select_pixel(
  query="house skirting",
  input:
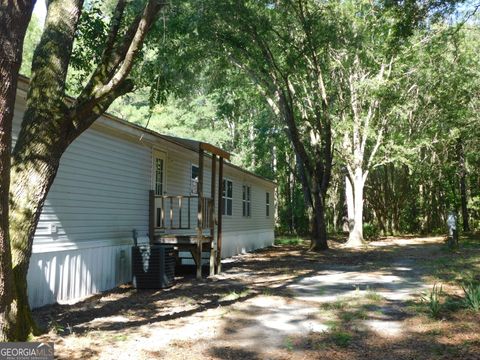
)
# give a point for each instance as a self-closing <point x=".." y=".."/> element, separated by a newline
<point x="68" y="273"/>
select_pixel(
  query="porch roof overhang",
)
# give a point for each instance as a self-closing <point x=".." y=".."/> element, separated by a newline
<point x="196" y="146"/>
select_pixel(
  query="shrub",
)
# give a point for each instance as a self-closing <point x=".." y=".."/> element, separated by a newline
<point x="370" y="231"/>
<point x="472" y="296"/>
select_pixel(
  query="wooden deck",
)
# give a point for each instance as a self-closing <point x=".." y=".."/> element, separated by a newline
<point x="175" y="239"/>
<point x="168" y="212"/>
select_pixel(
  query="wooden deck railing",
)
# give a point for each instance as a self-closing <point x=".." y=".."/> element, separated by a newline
<point x="179" y="212"/>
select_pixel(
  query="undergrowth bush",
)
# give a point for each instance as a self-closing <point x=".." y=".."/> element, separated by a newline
<point x="472" y="296"/>
<point x="370" y="231"/>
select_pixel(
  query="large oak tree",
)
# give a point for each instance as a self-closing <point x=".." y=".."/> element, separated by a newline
<point x="52" y="121"/>
<point x="14" y="19"/>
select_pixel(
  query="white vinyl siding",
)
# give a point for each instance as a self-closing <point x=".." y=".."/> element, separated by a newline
<point x="100" y="192"/>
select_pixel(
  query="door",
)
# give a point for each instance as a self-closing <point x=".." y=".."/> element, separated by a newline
<point x="159" y="186"/>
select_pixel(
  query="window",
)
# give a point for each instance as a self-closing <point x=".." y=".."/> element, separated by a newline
<point x="194" y="183"/>
<point x="246" y="200"/>
<point x="267" y="204"/>
<point x="159" y="176"/>
<point x="227" y="197"/>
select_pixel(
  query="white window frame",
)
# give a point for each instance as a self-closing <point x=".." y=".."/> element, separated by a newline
<point x="159" y="155"/>
<point x="267" y="204"/>
<point x="226" y="198"/>
<point x="193" y="182"/>
<point x="246" y="200"/>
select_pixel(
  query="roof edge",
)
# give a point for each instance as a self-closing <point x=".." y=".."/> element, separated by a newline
<point x="202" y="145"/>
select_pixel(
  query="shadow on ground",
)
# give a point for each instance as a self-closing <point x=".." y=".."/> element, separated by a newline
<point x="282" y="302"/>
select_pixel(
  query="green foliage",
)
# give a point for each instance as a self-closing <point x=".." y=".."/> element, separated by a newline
<point x="55" y="327"/>
<point x="32" y="38"/>
<point x="288" y="241"/>
<point x="340" y="338"/>
<point x="370" y="231"/>
<point x="88" y="46"/>
<point x="432" y="300"/>
<point x="472" y="296"/>
<point x="474" y="208"/>
<point x="201" y="75"/>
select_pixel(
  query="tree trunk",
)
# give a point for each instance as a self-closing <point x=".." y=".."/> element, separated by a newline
<point x="314" y="175"/>
<point x="291" y="189"/>
<point x="35" y="161"/>
<point x="50" y="123"/>
<point x="355" y="237"/>
<point x="463" y="184"/>
<point x="289" y="203"/>
<point x="14" y="19"/>
<point x="318" y="226"/>
<point x="350" y="204"/>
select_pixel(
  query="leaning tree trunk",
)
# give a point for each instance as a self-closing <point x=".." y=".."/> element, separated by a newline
<point x="35" y="163"/>
<point x="51" y="123"/>
<point x="14" y="19"/>
<point x="40" y="144"/>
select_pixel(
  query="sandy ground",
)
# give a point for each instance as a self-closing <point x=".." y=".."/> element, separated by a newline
<point x="280" y="303"/>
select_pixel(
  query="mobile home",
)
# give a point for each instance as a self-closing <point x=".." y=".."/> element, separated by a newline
<point x="119" y="181"/>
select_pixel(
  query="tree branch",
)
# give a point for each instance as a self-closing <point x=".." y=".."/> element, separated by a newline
<point x="109" y="74"/>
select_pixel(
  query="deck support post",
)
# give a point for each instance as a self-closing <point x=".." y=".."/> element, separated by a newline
<point x="200" y="213"/>
<point x="151" y="216"/>
<point x="212" y="215"/>
<point x="220" y="212"/>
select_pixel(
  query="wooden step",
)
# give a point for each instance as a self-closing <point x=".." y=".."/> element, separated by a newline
<point x="181" y="239"/>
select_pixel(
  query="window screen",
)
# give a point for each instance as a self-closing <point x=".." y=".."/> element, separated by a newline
<point x="227" y="197"/>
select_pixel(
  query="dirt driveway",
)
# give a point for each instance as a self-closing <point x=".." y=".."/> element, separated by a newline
<point x="287" y="303"/>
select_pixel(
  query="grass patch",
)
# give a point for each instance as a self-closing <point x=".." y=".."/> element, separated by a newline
<point x="288" y="241"/>
<point x="432" y="300"/>
<point x="332" y="324"/>
<point x="453" y="303"/>
<point x="335" y="305"/>
<point x="340" y="338"/>
<point x="373" y="296"/>
<point x="55" y="327"/>
<point x="234" y="295"/>
<point x="459" y="266"/>
<point x="434" y="332"/>
<point x="348" y="316"/>
<point x="120" y="337"/>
